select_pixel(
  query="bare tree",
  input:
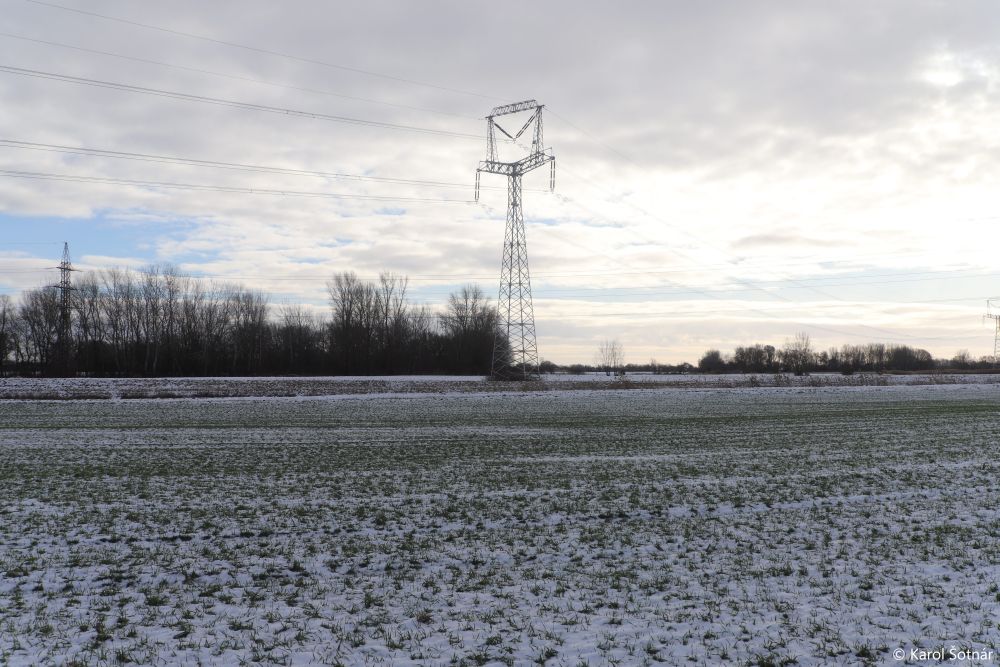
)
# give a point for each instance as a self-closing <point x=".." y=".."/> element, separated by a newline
<point x="711" y="362"/>
<point x="962" y="359"/>
<point x="797" y="354"/>
<point x="347" y="297"/>
<point x="175" y="287"/>
<point x="39" y="313"/>
<point x="6" y="331"/>
<point x="393" y="315"/>
<point x="293" y="335"/>
<point x="470" y="323"/>
<point x="610" y="357"/>
<point x="158" y="322"/>
<point x="153" y="290"/>
<point x="248" y="313"/>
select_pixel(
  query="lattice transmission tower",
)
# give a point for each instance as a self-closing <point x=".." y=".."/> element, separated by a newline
<point x="515" y="351"/>
<point x="65" y="289"/>
<point x="993" y="313"/>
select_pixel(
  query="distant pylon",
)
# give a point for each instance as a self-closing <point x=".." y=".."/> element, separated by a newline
<point x="992" y="306"/>
<point x="515" y="351"/>
<point x="65" y="288"/>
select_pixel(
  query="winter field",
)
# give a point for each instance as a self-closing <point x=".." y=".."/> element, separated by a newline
<point x="258" y="387"/>
<point x="572" y="526"/>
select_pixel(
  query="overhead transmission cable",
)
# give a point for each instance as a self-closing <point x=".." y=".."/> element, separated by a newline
<point x="575" y="291"/>
<point x="270" y="52"/>
<point x="234" y="166"/>
<point x="293" y="57"/>
<point x="437" y="277"/>
<point x="346" y="68"/>
<point x="217" y="188"/>
<point x="308" y="60"/>
<point x="688" y="288"/>
<point x="269" y="191"/>
<point x="54" y="76"/>
<point x="236" y="77"/>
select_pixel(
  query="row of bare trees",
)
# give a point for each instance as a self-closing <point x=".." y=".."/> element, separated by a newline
<point x="157" y="322"/>
<point x="798" y="356"/>
<point x="376" y="330"/>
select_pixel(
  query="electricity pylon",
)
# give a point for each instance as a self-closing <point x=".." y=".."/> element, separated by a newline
<point x="515" y="352"/>
<point x="65" y="287"/>
<point x="991" y="314"/>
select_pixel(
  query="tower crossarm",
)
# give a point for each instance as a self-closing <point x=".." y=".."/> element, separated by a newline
<point x="522" y="166"/>
<point x="516" y="107"/>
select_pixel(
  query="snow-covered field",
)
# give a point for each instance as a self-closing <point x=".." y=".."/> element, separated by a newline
<point x="256" y="387"/>
<point x="813" y="525"/>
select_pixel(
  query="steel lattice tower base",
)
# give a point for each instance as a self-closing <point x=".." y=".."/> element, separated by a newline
<point x="515" y="353"/>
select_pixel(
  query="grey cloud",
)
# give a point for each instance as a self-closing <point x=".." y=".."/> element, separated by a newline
<point x="783" y="238"/>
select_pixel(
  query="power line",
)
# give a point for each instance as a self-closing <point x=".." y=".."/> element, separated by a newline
<point x="583" y="291"/>
<point x="269" y="52"/>
<point x="593" y="293"/>
<point x="592" y="274"/>
<point x="234" y="77"/>
<point x="593" y="138"/>
<point x="53" y="76"/>
<point x="271" y="278"/>
<point x="285" y="55"/>
<point x="312" y="61"/>
<point x="217" y="188"/>
<point x="228" y="103"/>
<point x="616" y="291"/>
<point x="415" y="278"/>
<point x="470" y="276"/>
<point x="215" y="164"/>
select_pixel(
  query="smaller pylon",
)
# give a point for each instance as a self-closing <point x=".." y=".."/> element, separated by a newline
<point x="992" y="308"/>
<point x="65" y="288"/>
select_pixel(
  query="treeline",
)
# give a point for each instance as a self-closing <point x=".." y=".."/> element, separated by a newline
<point x="158" y="322"/>
<point x="797" y="356"/>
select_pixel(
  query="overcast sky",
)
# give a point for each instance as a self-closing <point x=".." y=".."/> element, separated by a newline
<point x="727" y="172"/>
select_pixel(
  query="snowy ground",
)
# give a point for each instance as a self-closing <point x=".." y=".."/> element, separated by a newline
<point x="566" y="527"/>
<point x="255" y="387"/>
